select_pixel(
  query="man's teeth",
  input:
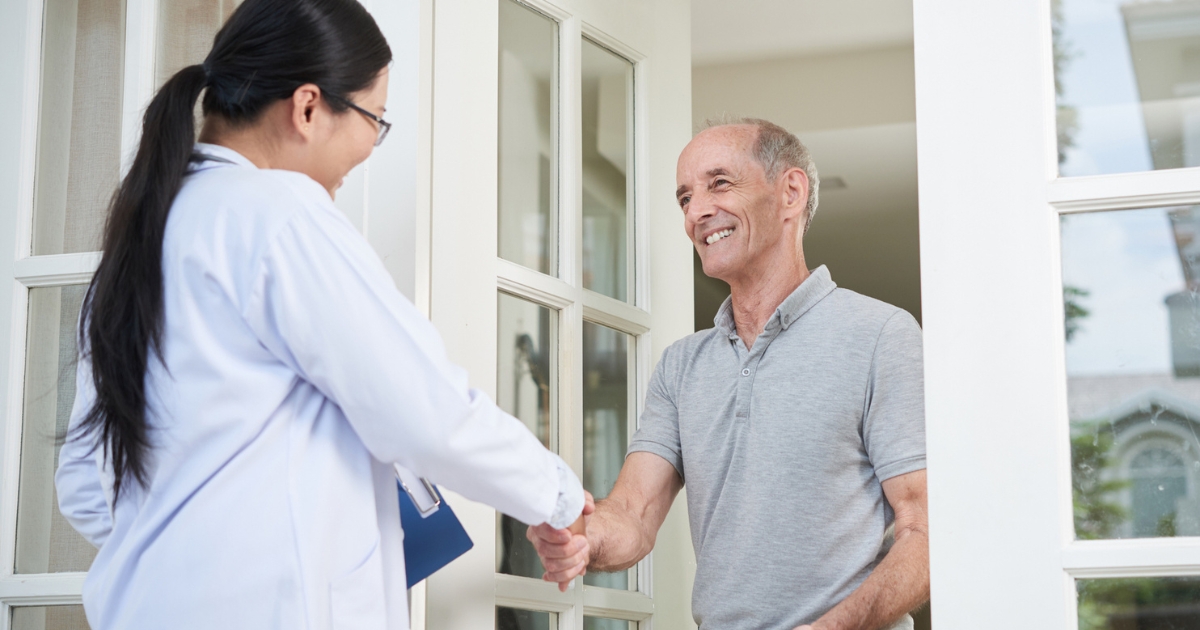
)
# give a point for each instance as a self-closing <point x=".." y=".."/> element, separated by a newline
<point x="713" y="238"/>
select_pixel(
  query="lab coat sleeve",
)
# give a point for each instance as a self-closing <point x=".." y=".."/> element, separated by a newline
<point x="323" y="303"/>
<point x="82" y="497"/>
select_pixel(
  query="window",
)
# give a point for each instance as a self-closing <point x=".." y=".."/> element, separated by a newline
<point x="1159" y="483"/>
<point x="571" y="336"/>
<point x="89" y="98"/>
<point x="1050" y="310"/>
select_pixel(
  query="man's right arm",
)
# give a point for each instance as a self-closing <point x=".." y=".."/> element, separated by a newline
<point x="624" y="526"/>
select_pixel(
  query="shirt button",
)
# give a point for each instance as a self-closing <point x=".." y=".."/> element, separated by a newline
<point x="745" y="371"/>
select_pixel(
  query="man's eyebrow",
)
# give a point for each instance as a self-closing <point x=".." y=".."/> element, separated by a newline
<point x="711" y="173"/>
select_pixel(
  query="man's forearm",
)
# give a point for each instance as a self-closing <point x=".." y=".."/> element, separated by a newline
<point x="899" y="584"/>
<point x="618" y="538"/>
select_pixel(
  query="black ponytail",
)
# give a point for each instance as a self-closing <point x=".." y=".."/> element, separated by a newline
<point x="266" y="50"/>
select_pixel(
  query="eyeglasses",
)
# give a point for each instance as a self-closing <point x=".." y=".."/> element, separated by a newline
<point x="384" y="126"/>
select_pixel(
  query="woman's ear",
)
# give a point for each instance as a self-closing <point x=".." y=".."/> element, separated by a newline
<point x="305" y="100"/>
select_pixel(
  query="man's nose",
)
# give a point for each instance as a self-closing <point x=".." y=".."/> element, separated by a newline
<point x="701" y="207"/>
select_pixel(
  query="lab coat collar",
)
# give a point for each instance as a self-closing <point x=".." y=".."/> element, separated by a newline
<point x="223" y="154"/>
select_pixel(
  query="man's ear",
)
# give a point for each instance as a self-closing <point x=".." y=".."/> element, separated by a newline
<point x="794" y="192"/>
<point x="305" y="100"/>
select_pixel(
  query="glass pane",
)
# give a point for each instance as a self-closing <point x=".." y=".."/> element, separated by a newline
<point x="527" y="387"/>
<point x="607" y="183"/>
<point x="517" y="619"/>
<point x="1127" y="76"/>
<point x="607" y="378"/>
<point x="186" y="29"/>
<point x="49" y="618"/>
<point x="1130" y="281"/>
<point x="79" y="129"/>
<point x="46" y="543"/>
<point x="598" y="623"/>
<point x="528" y="232"/>
<point x="1139" y="603"/>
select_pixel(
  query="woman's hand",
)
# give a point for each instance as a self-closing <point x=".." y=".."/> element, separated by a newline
<point x="566" y="552"/>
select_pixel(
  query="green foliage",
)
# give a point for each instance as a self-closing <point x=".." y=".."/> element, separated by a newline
<point x="1165" y="528"/>
<point x="1062" y="49"/>
<point x="1067" y="123"/>
<point x="1068" y="116"/>
<point x="1101" y="599"/>
<point x="1073" y="309"/>
<point x="1096" y="513"/>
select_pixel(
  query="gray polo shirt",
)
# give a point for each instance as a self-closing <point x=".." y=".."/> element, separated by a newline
<point x="783" y="447"/>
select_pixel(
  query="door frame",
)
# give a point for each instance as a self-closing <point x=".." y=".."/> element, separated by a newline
<point x="1002" y="542"/>
<point x="465" y="273"/>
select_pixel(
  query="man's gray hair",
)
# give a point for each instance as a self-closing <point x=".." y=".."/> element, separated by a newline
<point x="777" y="150"/>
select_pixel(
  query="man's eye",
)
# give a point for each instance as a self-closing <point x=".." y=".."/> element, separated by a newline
<point x="721" y="182"/>
<point x="683" y="201"/>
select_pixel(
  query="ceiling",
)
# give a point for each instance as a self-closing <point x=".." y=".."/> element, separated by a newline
<point x="724" y="31"/>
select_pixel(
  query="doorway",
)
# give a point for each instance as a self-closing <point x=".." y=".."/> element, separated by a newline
<point x="840" y="75"/>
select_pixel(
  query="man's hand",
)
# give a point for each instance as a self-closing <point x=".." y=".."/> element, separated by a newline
<point x="620" y="531"/>
<point x="565" y="552"/>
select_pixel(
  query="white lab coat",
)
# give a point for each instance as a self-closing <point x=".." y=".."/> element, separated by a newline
<point x="295" y="376"/>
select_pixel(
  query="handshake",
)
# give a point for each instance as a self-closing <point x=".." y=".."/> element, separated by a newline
<point x="565" y="553"/>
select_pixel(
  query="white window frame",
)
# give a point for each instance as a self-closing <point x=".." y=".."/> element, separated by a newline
<point x="467" y="274"/>
<point x="1003" y="549"/>
<point x="23" y="78"/>
<point x="572" y="305"/>
<point x="403" y="231"/>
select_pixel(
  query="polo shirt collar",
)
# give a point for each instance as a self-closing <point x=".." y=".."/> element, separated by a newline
<point x="814" y="289"/>
<point x="724" y="319"/>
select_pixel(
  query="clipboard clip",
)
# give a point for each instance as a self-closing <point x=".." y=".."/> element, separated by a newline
<point x="437" y="498"/>
<point x="425" y="505"/>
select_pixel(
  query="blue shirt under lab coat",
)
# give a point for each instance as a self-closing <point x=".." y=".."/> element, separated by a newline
<point x="294" y="376"/>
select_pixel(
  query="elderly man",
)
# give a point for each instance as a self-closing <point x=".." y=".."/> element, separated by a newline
<point x="796" y="423"/>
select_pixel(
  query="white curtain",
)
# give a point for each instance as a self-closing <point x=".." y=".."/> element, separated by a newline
<point x="78" y="166"/>
<point x="49" y="618"/>
<point x="46" y="543"/>
<point x="186" y="29"/>
<point x="79" y="132"/>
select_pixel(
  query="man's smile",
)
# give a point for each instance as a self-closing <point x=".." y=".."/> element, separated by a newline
<point x="718" y="235"/>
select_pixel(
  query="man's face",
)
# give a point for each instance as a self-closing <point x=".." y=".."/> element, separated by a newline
<point x="732" y="213"/>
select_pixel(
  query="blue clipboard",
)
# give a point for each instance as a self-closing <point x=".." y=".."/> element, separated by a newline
<point x="431" y="539"/>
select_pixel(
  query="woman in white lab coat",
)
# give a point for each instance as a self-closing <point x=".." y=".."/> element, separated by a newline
<point x="249" y="374"/>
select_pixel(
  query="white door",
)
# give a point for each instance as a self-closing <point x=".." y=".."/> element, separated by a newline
<point x="559" y="270"/>
<point x="1058" y="144"/>
<point x="78" y="74"/>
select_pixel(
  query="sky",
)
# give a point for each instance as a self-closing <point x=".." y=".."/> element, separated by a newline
<point x="1126" y="260"/>
<point x="1098" y="81"/>
<point x="1128" y="263"/>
